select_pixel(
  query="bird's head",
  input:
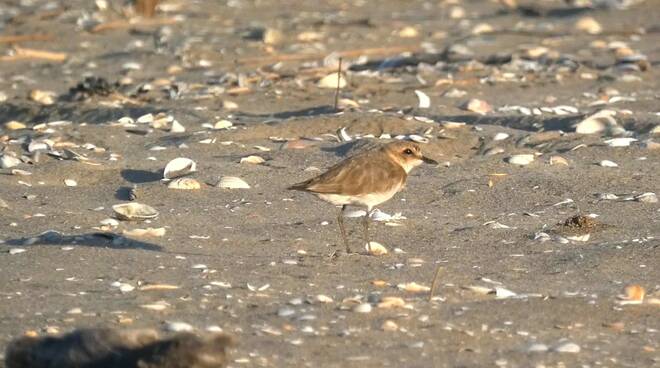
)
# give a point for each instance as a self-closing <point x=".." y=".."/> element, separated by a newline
<point x="407" y="154"/>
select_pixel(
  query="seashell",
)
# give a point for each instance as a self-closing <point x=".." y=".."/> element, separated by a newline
<point x="482" y="28"/>
<point x="363" y="308"/>
<point x="418" y="138"/>
<point x="347" y="103"/>
<point x="620" y="142"/>
<point x="500" y="136"/>
<point x="257" y="288"/>
<point x="332" y="80"/>
<point x="13" y="251"/>
<point x="408" y="32"/>
<point x="608" y="163"/>
<point x="391" y="302"/>
<point x="324" y="299"/>
<point x="479" y="106"/>
<point x="150" y="287"/>
<point x="35" y="146"/>
<point x="424" y="100"/>
<point x="273" y="36"/>
<point x="7" y="161"/>
<point x="43" y="97"/>
<point x="70" y="183"/>
<point x="343" y="135"/>
<point x="134" y="211"/>
<point x="14" y="125"/>
<point x="581" y="238"/>
<point x="157" y="306"/>
<point x="148" y="232"/>
<point x="375" y="249"/>
<point x="252" y="159"/>
<point x="232" y="182"/>
<point x="184" y="183"/>
<point x="413" y="287"/>
<point x="222" y="124"/>
<point x="558" y="160"/>
<point x="634" y="293"/>
<point x="389" y="325"/>
<point x="310" y="36"/>
<point x="502" y="293"/>
<point x="479" y="289"/>
<point x="110" y="222"/>
<point x="177" y="127"/>
<point x="648" y="197"/>
<point x="588" y="25"/>
<point x="537" y="348"/>
<point x="145" y="119"/>
<point x="178" y="327"/>
<point x="123" y="287"/>
<point x="567" y="347"/>
<point x="597" y="122"/>
<point x="178" y="167"/>
<point x="522" y="160"/>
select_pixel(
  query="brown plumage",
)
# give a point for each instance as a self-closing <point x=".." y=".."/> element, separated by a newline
<point x="366" y="179"/>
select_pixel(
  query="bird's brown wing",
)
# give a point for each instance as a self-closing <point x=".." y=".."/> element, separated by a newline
<point x="361" y="174"/>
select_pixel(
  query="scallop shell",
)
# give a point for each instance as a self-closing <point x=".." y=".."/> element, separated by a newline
<point x="375" y="249"/>
<point x="232" y="182"/>
<point x="184" y="183"/>
<point x="178" y="167"/>
<point x="134" y="211"/>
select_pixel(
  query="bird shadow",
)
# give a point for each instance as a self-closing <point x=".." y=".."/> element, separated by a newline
<point x="96" y="240"/>
<point x="140" y="176"/>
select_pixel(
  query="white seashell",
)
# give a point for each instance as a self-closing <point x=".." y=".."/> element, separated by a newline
<point x="157" y="306"/>
<point x="537" y="348"/>
<point x="620" y="142"/>
<point x="558" y="160"/>
<point x="567" y="347"/>
<point x="331" y="80"/>
<point x="424" y="100"/>
<point x="177" y="127"/>
<point x="324" y="299"/>
<point x="500" y="136"/>
<point x="252" y="159"/>
<point x="375" y="249"/>
<point x="145" y="119"/>
<point x="608" y="163"/>
<point x="581" y="238"/>
<point x="134" y="211"/>
<point x="418" y="138"/>
<point x="452" y="124"/>
<point x="597" y="122"/>
<point x="502" y="293"/>
<point x="184" y="183"/>
<point x="648" y="197"/>
<point x="222" y="124"/>
<point x="38" y="146"/>
<point x="123" y="287"/>
<point x="178" y="327"/>
<point x="389" y="325"/>
<point x="522" y="160"/>
<point x="70" y="183"/>
<point x="608" y="196"/>
<point x="232" y="182"/>
<point x="343" y="135"/>
<point x="363" y="308"/>
<point x="13" y="251"/>
<point x="7" y="161"/>
<point x="131" y="65"/>
<point x="413" y="287"/>
<point x="178" y="167"/>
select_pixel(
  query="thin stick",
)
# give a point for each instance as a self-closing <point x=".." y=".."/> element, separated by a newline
<point x="434" y="284"/>
<point x="338" y="82"/>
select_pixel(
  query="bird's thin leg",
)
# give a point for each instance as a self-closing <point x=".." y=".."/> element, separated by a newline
<point x="342" y="229"/>
<point x="365" y="223"/>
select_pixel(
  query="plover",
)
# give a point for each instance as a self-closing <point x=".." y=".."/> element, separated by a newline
<point x="366" y="180"/>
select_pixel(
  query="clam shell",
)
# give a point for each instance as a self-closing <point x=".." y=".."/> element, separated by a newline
<point x="522" y="160"/>
<point x="232" y="182"/>
<point x="134" y="211"/>
<point x="178" y="167"/>
<point x="252" y="160"/>
<point x="375" y="249"/>
<point x="184" y="183"/>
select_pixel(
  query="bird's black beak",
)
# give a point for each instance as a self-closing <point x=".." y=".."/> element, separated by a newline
<point x="429" y="161"/>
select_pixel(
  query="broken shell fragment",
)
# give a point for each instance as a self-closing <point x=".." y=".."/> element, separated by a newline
<point x="478" y="106"/>
<point x="558" y="160"/>
<point x="588" y="25"/>
<point x="608" y="163"/>
<point x="148" y="232"/>
<point x="375" y="249"/>
<point x="43" y="97"/>
<point x="184" y="183"/>
<point x="252" y="159"/>
<point x="70" y="183"/>
<point x="413" y="287"/>
<point x="424" y="100"/>
<point x="620" y="142"/>
<point x="522" y="160"/>
<point x="232" y="182"/>
<point x="178" y="167"/>
<point x="391" y="302"/>
<point x="7" y="161"/>
<point x="134" y="211"/>
<point x="648" y="197"/>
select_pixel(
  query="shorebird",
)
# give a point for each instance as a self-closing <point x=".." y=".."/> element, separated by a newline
<point x="366" y="180"/>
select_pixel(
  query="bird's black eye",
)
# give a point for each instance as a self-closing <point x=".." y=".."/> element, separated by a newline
<point x="408" y="151"/>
